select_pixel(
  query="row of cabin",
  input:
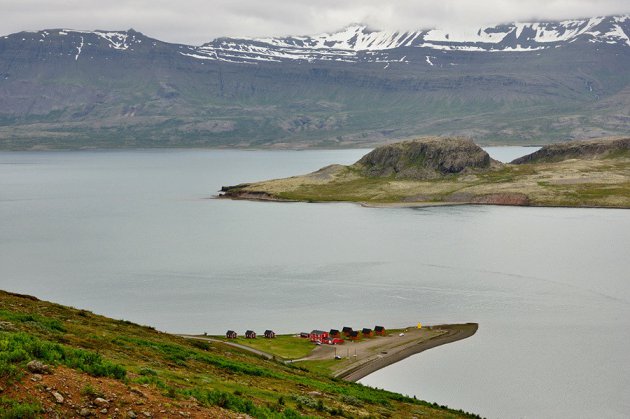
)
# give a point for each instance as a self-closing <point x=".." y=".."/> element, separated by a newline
<point x="250" y="334"/>
<point x="365" y="332"/>
<point x="321" y="335"/>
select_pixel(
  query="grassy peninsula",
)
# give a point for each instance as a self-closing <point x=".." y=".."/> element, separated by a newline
<point x="58" y="361"/>
<point x="439" y="170"/>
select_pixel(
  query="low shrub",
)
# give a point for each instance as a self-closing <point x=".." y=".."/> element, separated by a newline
<point x="13" y="409"/>
<point x="18" y="348"/>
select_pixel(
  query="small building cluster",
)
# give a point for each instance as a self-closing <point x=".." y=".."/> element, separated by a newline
<point x="332" y="337"/>
<point x="250" y="334"/>
<point x="335" y="337"/>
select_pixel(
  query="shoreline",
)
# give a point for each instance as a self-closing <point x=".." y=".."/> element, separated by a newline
<point x="418" y="204"/>
<point x="454" y="333"/>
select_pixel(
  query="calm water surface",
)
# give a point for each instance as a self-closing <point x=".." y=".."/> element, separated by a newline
<point x="133" y="235"/>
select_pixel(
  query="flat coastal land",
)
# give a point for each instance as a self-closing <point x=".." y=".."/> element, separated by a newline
<point x="354" y="360"/>
<point x="387" y="350"/>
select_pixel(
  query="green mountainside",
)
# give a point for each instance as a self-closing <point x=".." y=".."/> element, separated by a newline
<point x="58" y="361"/>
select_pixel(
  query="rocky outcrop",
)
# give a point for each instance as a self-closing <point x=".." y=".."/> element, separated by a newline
<point x="585" y="149"/>
<point x="425" y="158"/>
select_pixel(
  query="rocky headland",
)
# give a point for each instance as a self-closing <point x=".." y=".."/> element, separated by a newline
<point x="585" y="149"/>
<point x="451" y="170"/>
<point x="425" y="158"/>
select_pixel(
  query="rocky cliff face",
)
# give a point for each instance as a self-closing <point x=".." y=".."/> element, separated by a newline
<point x="589" y="149"/>
<point x="425" y="158"/>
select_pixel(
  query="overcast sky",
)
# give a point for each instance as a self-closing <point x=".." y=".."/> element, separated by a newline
<point x="199" y="21"/>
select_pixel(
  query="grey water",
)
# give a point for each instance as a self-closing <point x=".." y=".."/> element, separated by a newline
<point x="136" y="235"/>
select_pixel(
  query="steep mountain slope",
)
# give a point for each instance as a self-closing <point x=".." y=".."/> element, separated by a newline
<point x="516" y="83"/>
<point x="60" y="362"/>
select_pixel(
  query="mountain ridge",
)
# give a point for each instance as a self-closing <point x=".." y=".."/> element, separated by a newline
<point x="109" y="89"/>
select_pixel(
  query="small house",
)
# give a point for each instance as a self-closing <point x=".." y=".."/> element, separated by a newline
<point x="366" y="332"/>
<point x="231" y="334"/>
<point x="269" y="334"/>
<point x="379" y="330"/>
<point x="346" y="330"/>
<point x="250" y="334"/>
<point x="303" y="335"/>
<point x="354" y="335"/>
<point x="318" y="335"/>
<point x="334" y="333"/>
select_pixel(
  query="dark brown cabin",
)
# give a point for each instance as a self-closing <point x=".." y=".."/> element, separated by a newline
<point x="379" y="330"/>
<point x="250" y="334"/>
<point x="334" y="333"/>
<point x="270" y="334"/>
<point x="354" y="335"/>
<point x="366" y="332"/>
<point x="346" y="330"/>
<point x="231" y="334"/>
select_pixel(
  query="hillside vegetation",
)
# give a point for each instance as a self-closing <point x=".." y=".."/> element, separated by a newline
<point x="92" y="366"/>
<point x="434" y="171"/>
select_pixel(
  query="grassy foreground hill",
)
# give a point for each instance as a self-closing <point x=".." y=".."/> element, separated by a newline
<point x="92" y="366"/>
<point x="436" y="171"/>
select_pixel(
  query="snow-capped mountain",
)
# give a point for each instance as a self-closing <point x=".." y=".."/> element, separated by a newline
<point x="359" y="43"/>
<point x="518" y="82"/>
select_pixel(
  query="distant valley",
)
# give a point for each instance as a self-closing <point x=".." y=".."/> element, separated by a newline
<point x="516" y="83"/>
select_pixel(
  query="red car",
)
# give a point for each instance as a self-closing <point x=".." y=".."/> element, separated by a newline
<point x="333" y="341"/>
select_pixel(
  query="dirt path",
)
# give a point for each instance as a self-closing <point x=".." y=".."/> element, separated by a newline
<point x="236" y="345"/>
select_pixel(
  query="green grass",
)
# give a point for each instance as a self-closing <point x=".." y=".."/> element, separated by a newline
<point x="323" y="367"/>
<point x="16" y="349"/>
<point x="283" y="346"/>
<point x="13" y="409"/>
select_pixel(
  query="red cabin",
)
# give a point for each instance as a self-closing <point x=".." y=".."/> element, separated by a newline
<point x="250" y="334"/>
<point x="318" y="335"/>
<point x="333" y="341"/>
<point x="366" y="332"/>
<point x="379" y="330"/>
<point x="231" y="334"/>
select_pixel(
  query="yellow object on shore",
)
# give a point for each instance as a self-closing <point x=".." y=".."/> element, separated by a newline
<point x="419" y="325"/>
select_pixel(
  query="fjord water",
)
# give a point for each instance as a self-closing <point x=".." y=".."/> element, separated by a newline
<point x="134" y="235"/>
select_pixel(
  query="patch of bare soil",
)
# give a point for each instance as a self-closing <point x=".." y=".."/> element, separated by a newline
<point x="66" y="393"/>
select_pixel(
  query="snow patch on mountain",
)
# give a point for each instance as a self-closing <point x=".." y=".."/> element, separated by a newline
<point x="358" y="43"/>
